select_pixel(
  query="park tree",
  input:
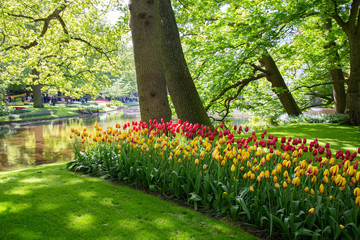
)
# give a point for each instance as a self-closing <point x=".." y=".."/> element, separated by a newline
<point x="58" y="45"/>
<point x="225" y="41"/>
<point x="226" y="44"/>
<point x="150" y="75"/>
<point x="160" y="64"/>
<point x="346" y="15"/>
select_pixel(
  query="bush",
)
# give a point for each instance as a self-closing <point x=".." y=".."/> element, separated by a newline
<point x="89" y="109"/>
<point x="33" y="114"/>
<point x="4" y="110"/>
<point x="19" y="110"/>
<point x="316" y="118"/>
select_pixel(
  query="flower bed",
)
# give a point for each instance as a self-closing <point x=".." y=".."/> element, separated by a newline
<point x="292" y="186"/>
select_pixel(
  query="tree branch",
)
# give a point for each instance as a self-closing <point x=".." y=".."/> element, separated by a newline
<point x="338" y="19"/>
<point x="235" y="85"/>
<point x="315" y="85"/>
<point x="53" y="15"/>
<point x="317" y="105"/>
<point x="354" y="13"/>
<point x="258" y="68"/>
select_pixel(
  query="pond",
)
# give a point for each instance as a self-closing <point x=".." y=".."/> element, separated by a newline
<point x="48" y="141"/>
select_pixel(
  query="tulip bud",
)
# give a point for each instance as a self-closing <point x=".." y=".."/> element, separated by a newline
<point x="311" y="211"/>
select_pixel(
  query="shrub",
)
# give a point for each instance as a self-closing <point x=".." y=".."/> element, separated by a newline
<point x="316" y="118"/>
<point x="293" y="186"/>
<point x="33" y="114"/>
<point x="89" y="109"/>
<point x="4" y="110"/>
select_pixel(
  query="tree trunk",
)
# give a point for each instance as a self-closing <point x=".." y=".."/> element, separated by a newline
<point x="336" y="73"/>
<point x="352" y="110"/>
<point x="339" y="95"/>
<point x="279" y="86"/>
<point x="36" y="87"/>
<point x="181" y="86"/>
<point x="145" y="29"/>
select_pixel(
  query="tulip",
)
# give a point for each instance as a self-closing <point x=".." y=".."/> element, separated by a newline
<point x="197" y="162"/>
<point x="252" y="189"/>
<point x="321" y="189"/>
<point x="341" y="226"/>
<point x="357" y="201"/>
<point x="311" y="211"/>
<point x="357" y="192"/>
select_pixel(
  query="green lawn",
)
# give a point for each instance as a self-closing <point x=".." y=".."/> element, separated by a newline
<point x="49" y="202"/>
<point x="338" y="136"/>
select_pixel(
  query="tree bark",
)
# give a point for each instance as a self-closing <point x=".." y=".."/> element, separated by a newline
<point x="336" y="74"/>
<point x="36" y="87"/>
<point x="339" y="94"/>
<point x="279" y="86"/>
<point x="352" y="110"/>
<point x="145" y="29"/>
<point x="187" y="102"/>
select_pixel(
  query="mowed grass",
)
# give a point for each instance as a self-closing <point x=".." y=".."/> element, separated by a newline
<point x="49" y="202"/>
<point x="338" y="136"/>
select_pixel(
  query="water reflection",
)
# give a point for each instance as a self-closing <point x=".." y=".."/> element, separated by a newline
<point x="46" y="142"/>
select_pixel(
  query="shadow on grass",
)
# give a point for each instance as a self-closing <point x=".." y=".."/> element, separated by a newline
<point x="48" y="202"/>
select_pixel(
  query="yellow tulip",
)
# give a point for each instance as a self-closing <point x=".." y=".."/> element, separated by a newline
<point x="311" y="211"/>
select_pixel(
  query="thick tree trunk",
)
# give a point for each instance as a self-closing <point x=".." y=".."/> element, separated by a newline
<point x="336" y="73"/>
<point x="352" y="111"/>
<point x="339" y="94"/>
<point x="181" y="86"/>
<point x="279" y="86"/>
<point x="145" y="29"/>
<point x="36" y="87"/>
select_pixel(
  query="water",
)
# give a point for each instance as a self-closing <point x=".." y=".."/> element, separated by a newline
<point x="48" y="141"/>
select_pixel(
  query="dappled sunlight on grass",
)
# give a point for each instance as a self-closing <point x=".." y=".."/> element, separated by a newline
<point x="19" y="191"/>
<point x="32" y="180"/>
<point x="10" y="207"/>
<point x="57" y="204"/>
<point x="87" y="194"/>
<point x="82" y="222"/>
<point x="47" y="206"/>
<point x="163" y="223"/>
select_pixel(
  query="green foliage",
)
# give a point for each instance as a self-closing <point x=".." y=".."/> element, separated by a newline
<point x="72" y="51"/>
<point x="315" y="118"/>
<point x="89" y="109"/>
<point x="4" y="110"/>
<point x="33" y="114"/>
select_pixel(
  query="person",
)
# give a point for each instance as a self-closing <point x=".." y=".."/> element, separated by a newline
<point x="9" y="98"/>
<point x="22" y="99"/>
<point x="29" y="98"/>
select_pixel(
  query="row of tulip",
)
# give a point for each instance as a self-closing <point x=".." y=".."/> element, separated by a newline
<point x="292" y="186"/>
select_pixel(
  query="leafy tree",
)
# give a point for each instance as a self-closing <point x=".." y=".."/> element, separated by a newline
<point x="57" y="44"/>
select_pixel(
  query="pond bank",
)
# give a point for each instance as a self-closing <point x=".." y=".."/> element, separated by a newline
<point x="127" y="110"/>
